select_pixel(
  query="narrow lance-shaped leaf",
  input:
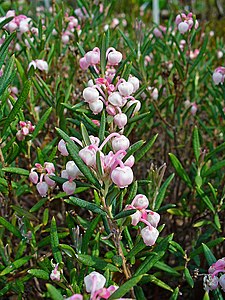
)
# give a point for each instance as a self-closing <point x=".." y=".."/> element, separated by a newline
<point x="19" y="103"/>
<point x="146" y="148"/>
<point x="179" y="169"/>
<point x="85" y="135"/>
<point x="126" y="287"/>
<point x="85" y="204"/>
<point x="41" y="122"/>
<point x="55" y="242"/>
<point x="196" y="143"/>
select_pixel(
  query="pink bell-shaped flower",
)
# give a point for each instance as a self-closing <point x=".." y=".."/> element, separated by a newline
<point x="122" y="177"/>
<point x="125" y="88"/>
<point x="153" y="218"/>
<point x="183" y="27"/>
<point x="114" y="58"/>
<point x="69" y="187"/>
<point x="135" y="82"/>
<point x="136" y="217"/>
<point x="90" y="94"/>
<point x="120" y="143"/>
<point x="120" y="120"/>
<point x="116" y="99"/>
<point x="149" y="235"/>
<point x="88" y="155"/>
<point x="83" y="63"/>
<point x="94" y="282"/>
<point x="140" y="201"/>
<point x="62" y="148"/>
<point x="42" y="188"/>
<point x="48" y="180"/>
<point x="72" y="170"/>
<point x="96" y="107"/>
<point x="33" y="176"/>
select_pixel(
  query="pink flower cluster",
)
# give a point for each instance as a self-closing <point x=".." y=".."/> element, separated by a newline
<point x="25" y="129"/>
<point x="146" y="216"/>
<point x="219" y="75"/>
<point x="21" y="23"/>
<point x="92" y="58"/>
<point x="186" y="22"/>
<point x="69" y="31"/>
<point x="94" y="284"/>
<point x="44" y="181"/>
<point x="212" y="281"/>
<point x="113" y="168"/>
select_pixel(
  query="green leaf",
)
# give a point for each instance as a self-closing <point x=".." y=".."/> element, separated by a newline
<point x="15" y="265"/>
<point x="73" y="150"/>
<point x="124" y="214"/>
<point x="128" y="42"/>
<point x="18" y="104"/>
<point x="88" y="234"/>
<point x="151" y="278"/>
<point x="164" y="267"/>
<point x="180" y="170"/>
<point x="47" y="240"/>
<point x="210" y="244"/>
<point x="68" y="250"/>
<point x="54" y="293"/>
<point x="200" y="55"/>
<point x="151" y="260"/>
<point x="97" y="263"/>
<point x="208" y="255"/>
<point x="39" y="273"/>
<point x="188" y="277"/>
<point x="85" y="204"/>
<point x="24" y="213"/>
<point x="41" y="122"/>
<point x="99" y="164"/>
<point x="196" y="143"/>
<point x="205" y="199"/>
<point x="137" y="249"/>
<point x="175" y="294"/>
<point x="132" y="192"/>
<point x="38" y="205"/>
<point x="132" y="149"/>
<point x="216" y="150"/>
<point x="145" y="149"/>
<point x="126" y="287"/>
<point x="10" y="227"/>
<point x="55" y="242"/>
<point x="8" y="76"/>
<point x="4" y="47"/>
<point x="180" y="69"/>
<point x="85" y="135"/>
<point x="14" y="170"/>
<point x="161" y="195"/>
<point x="219" y="165"/>
<point x="139" y="117"/>
<point x="103" y="54"/>
<point x="101" y="133"/>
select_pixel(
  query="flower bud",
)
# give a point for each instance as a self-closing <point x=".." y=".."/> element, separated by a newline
<point x="65" y="38"/>
<point x="114" y="57"/>
<point x="48" y="180"/>
<point x="94" y="282"/>
<point x="122" y="177"/>
<point x="12" y="26"/>
<point x="20" y="135"/>
<point x="62" y="148"/>
<point x="116" y="99"/>
<point x="93" y="57"/>
<point x="42" y="188"/>
<point x="69" y="187"/>
<point x="90" y="94"/>
<point x="137" y="107"/>
<point x="96" y="106"/>
<point x="149" y="235"/>
<point x="83" y="63"/>
<point x="135" y="82"/>
<point x="153" y="218"/>
<point x="24" y="26"/>
<point x="120" y="143"/>
<point x="218" y="78"/>
<point x="125" y="88"/>
<point x="88" y="155"/>
<point x="42" y="65"/>
<point x="72" y="169"/>
<point x="222" y="282"/>
<point x="130" y="161"/>
<point x="136" y="217"/>
<point x="140" y="201"/>
<point x="55" y="274"/>
<point x="33" y="176"/>
<point x="120" y="120"/>
<point x="183" y="27"/>
<point x="111" y="110"/>
<point x="49" y="167"/>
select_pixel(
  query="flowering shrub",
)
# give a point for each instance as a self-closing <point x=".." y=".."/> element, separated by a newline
<point x="111" y="153"/>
